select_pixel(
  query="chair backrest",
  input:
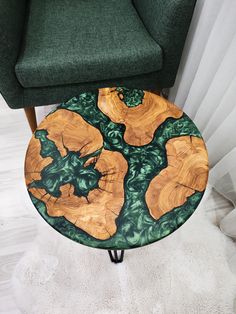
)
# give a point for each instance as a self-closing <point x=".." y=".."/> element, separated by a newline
<point x="12" y="20"/>
<point x="168" y="22"/>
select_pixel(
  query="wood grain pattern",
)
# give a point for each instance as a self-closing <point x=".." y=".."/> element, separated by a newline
<point x="34" y="162"/>
<point x="142" y="121"/>
<point x="97" y="212"/>
<point x="63" y="127"/>
<point x="187" y="172"/>
<point x="70" y="131"/>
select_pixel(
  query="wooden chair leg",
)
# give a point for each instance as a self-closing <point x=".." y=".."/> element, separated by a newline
<point x="31" y="117"/>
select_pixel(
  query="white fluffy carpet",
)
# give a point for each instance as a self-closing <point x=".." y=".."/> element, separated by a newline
<point x="186" y="272"/>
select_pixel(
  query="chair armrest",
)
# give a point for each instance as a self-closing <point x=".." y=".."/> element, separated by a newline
<point x="12" y="20"/>
<point x="167" y="21"/>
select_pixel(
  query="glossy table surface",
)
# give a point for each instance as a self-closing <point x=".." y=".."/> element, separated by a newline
<point x="116" y="169"/>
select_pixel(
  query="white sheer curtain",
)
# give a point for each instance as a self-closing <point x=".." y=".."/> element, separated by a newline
<point x="206" y="90"/>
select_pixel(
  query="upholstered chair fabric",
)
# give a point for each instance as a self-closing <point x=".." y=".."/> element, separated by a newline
<point x="53" y="50"/>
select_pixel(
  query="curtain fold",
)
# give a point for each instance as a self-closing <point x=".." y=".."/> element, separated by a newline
<point x="205" y="88"/>
<point x="204" y="17"/>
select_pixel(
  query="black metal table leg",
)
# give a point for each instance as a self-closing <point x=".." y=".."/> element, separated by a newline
<point x="114" y="256"/>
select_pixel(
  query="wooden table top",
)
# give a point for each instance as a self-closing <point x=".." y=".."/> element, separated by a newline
<point x="116" y="169"/>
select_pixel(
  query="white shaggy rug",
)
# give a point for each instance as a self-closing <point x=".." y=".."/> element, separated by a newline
<point x="187" y="272"/>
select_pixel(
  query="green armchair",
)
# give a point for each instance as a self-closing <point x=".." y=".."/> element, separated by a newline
<point x="53" y="50"/>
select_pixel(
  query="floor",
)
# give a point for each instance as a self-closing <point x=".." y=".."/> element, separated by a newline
<point x="19" y="227"/>
<point x="17" y="224"/>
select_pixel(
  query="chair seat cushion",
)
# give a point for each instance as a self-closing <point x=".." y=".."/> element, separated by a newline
<point x="73" y="41"/>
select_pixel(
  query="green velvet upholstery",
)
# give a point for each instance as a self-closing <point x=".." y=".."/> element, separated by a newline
<point x="168" y="22"/>
<point x="52" y="50"/>
<point x="82" y="41"/>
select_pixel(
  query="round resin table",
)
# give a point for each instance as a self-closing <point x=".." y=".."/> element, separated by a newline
<point x="117" y="169"/>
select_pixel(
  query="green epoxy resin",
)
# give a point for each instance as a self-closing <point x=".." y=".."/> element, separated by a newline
<point x="69" y="169"/>
<point x="131" y="97"/>
<point x="135" y="226"/>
